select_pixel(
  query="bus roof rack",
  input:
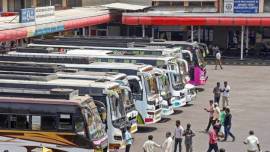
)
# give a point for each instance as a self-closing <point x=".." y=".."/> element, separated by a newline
<point x="30" y="67"/>
<point x="56" y="93"/>
<point x="43" y="58"/>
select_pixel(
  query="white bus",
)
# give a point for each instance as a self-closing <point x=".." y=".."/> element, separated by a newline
<point x="109" y="93"/>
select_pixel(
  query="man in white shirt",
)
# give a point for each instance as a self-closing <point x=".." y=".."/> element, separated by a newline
<point x="252" y="142"/>
<point x="218" y="59"/>
<point x="225" y="94"/>
<point x="149" y="145"/>
<point x="167" y="145"/>
<point x="178" y="136"/>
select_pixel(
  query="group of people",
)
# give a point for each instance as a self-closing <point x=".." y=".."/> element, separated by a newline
<point x="172" y="143"/>
<point x="220" y="120"/>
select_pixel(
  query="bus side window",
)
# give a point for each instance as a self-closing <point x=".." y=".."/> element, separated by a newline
<point x="4" y="121"/>
<point x="36" y="122"/>
<point x="19" y="122"/>
<point x="65" y="122"/>
<point x="48" y="123"/>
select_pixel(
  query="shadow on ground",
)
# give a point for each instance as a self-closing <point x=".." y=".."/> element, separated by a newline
<point x="200" y="89"/>
<point x="164" y="120"/>
<point x="146" y="129"/>
<point x="176" y="112"/>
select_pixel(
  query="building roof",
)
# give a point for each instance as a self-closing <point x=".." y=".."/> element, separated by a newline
<point x="125" y="6"/>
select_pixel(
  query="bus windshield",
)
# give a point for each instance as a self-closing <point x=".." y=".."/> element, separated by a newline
<point x="151" y="86"/>
<point x="177" y="78"/>
<point x="164" y="86"/>
<point x="126" y="97"/>
<point x="94" y="123"/>
<point x="199" y="58"/>
<point x="117" y="106"/>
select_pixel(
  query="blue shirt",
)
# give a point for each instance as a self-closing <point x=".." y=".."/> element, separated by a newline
<point x="128" y="138"/>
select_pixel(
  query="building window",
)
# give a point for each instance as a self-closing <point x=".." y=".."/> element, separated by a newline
<point x="266" y="6"/>
<point x="74" y="3"/>
<point x="195" y="4"/>
<point x="208" y="4"/>
<point x="56" y="3"/>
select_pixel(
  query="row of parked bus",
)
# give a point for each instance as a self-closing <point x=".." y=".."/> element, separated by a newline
<point x="84" y="92"/>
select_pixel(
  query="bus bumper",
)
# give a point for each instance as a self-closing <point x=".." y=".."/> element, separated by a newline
<point x="177" y="102"/>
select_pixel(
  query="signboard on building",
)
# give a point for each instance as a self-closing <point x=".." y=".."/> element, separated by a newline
<point x="246" y="6"/>
<point x="45" y="14"/>
<point x="27" y="15"/>
<point x="228" y="6"/>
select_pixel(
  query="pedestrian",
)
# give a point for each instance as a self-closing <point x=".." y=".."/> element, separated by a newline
<point x="210" y="110"/>
<point x="225" y="94"/>
<point x="128" y="139"/>
<point x="216" y="112"/>
<point x="213" y="138"/>
<point x="222" y="150"/>
<point x="178" y="136"/>
<point x="188" y="134"/>
<point x="228" y="125"/>
<point x="167" y="145"/>
<point x="149" y="145"/>
<point x="222" y="116"/>
<point x="217" y="92"/>
<point x="218" y="59"/>
<point x="252" y="142"/>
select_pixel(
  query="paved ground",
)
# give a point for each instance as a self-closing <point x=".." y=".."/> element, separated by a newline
<point x="249" y="105"/>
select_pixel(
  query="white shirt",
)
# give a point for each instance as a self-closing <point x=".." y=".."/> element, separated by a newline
<point x="226" y="90"/>
<point x="167" y="145"/>
<point x="218" y="55"/>
<point x="216" y="113"/>
<point x="149" y="146"/>
<point x="178" y="132"/>
<point x="252" y="142"/>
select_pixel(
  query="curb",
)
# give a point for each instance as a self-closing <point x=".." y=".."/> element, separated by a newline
<point x="242" y="63"/>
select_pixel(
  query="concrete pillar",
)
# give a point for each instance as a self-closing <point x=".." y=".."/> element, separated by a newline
<point x="34" y="3"/>
<point x="64" y="3"/>
<point x="199" y="34"/>
<point x="143" y="31"/>
<point x="89" y="28"/>
<point x="192" y="34"/>
<point x="153" y="32"/>
<point x="84" y="31"/>
<point x="261" y="6"/>
<point x="247" y="37"/>
<point x="242" y="42"/>
<point x="5" y="5"/>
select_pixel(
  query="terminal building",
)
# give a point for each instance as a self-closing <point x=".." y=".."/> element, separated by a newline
<point x="233" y="25"/>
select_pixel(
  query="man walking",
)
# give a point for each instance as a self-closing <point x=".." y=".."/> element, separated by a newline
<point x="225" y="94"/>
<point x="178" y="136"/>
<point x="216" y="113"/>
<point x="252" y="142"/>
<point x="228" y="125"/>
<point x="218" y="59"/>
<point x="213" y="138"/>
<point x="167" y="145"/>
<point x="217" y="92"/>
<point x="188" y="134"/>
<point x="210" y="110"/>
<point x="149" y="145"/>
<point x="128" y="139"/>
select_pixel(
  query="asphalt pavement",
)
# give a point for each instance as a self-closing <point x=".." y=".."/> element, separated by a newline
<point x="249" y="103"/>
